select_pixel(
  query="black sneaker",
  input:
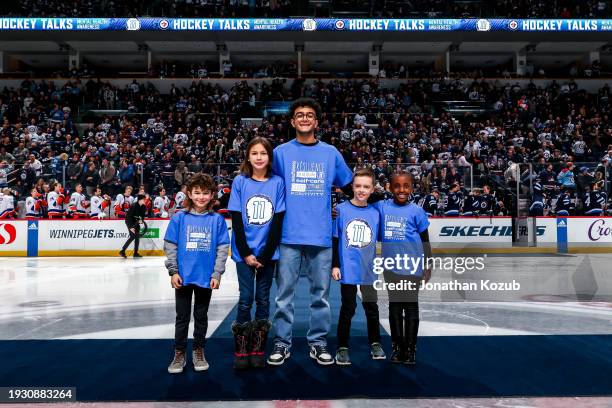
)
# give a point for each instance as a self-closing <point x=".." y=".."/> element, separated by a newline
<point x="397" y="354"/>
<point x="377" y="352"/>
<point x="342" y="356"/>
<point x="137" y="255"/>
<point x="122" y="254"/>
<point x="279" y="354"/>
<point x="319" y="352"/>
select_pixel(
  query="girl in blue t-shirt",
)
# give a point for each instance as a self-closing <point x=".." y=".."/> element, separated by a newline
<point x="257" y="206"/>
<point x="196" y="245"/>
<point x="404" y="235"/>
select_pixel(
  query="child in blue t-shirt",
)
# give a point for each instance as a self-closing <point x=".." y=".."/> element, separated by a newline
<point x="196" y="245"/>
<point x="257" y="206"/>
<point x="404" y="233"/>
<point x="355" y="233"/>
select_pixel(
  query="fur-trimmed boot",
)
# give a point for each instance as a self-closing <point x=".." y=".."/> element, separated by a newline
<point x="259" y="337"/>
<point x="242" y="336"/>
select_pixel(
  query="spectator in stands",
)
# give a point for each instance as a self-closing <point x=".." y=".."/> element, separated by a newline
<point x="107" y="177"/>
<point x="4" y="172"/>
<point x="559" y="115"/>
<point x="566" y="177"/>
<point x="90" y="178"/>
<point x="180" y="174"/>
<point x="74" y="172"/>
<point x="126" y="173"/>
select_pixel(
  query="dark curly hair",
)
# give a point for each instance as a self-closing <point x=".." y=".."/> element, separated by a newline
<point x="206" y="183"/>
<point x="305" y="103"/>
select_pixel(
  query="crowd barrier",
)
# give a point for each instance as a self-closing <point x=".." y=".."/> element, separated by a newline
<point x="34" y="238"/>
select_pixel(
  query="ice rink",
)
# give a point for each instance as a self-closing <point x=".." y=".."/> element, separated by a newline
<point x="112" y="298"/>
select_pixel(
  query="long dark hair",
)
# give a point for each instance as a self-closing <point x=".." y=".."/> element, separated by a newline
<point x="246" y="168"/>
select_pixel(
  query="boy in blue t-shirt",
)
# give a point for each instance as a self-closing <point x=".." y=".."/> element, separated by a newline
<point x="404" y="234"/>
<point x="196" y="245"/>
<point x="309" y="169"/>
<point x="355" y="234"/>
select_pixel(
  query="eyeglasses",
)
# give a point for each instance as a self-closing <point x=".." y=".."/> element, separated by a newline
<point x="300" y="116"/>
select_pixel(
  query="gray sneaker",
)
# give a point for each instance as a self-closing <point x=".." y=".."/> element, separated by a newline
<point x="199" y="361"/>
<point x="342" y="356"/>
<point x="377" y="351"/>
<point x="178" y="363"/>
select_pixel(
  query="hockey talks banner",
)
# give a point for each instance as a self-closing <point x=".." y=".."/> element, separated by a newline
<point x="301" y="24"/>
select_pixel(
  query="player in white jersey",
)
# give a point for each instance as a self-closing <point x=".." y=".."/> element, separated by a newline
<point x="161" y="205"/>
<point x="98" y="204"/>
<point x="77" y="208"/>
<point x="180" y="198"/>
<point x="55" y="201"/>
<point x="123" y="202"/>
<point x="7" y="204"/>
<point x="33" y="205"/>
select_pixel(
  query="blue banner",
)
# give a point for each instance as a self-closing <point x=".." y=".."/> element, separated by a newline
<point x="32" y="238"/>
<point x="301" y="24"/>
<point x="562" y="235"/>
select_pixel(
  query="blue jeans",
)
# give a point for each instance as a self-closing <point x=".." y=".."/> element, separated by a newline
<point x="254" y="286"/>
<point x="316" y="262"/>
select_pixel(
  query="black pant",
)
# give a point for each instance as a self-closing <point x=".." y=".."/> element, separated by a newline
<point x="183" y="315"/>
<point x="403" y="309"/>
<point x="347" y="311"/>
<point x="134" y="236"/>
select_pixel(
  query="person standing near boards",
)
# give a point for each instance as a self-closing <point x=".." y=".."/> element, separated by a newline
<point x="133" y="218"/>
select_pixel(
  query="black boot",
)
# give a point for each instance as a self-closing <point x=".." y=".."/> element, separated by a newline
<point x="410" y="356"/>
<point x="396" y="323"/>
<point x="242" y="335"/>
<point x="412" y="330"/>
<point x="397" y="353"/>
<point x="259" y="337"/>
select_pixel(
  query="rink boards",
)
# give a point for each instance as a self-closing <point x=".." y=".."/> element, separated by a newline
<point x="448" y="235"/>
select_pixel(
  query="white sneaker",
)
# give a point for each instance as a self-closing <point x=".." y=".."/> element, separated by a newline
<point x="319" y="352"/>
<point x="178" y="362"/>
<point x="199" y="361"/>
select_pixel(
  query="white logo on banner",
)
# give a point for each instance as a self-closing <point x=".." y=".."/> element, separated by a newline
<point x="133" y="24"/>
<point x="483" y="25"/>
<point x="309" y="25"/>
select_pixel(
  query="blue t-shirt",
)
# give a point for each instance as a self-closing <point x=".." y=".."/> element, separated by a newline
<point x="357" y="229"/>
<point x="400" y="228"/>
<point x="197" y="237"/>
<point x="258" y="201"/>
<point x="309" y="173"/>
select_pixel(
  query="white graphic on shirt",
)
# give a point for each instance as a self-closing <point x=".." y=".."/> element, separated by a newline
<point x="259" y="210"/>
<point x="358" y="234"/>
<point x="395" y="227"/>
<point x="308" y="178"/>
<point x="198" y="238"/>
